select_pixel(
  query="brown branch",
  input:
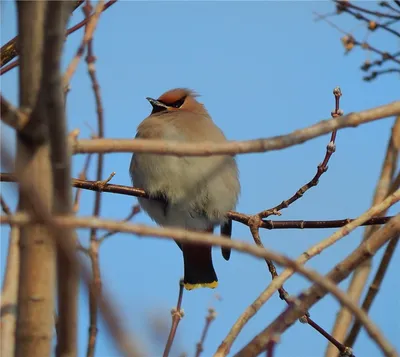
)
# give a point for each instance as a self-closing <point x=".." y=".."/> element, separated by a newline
<point x="125" y="340"/>
<point x="209" y="319"/>
<point x="4" y="205"/>
<point x="359" y="279"/>
<point x="89" y="31"/>
<point x="35" y="319"/>
<point x="58" y="13"/>
<point x="255" y="221"/>
<point x="276" y="283"/>
<point x="321" y="169"/>
<point x="135" y="210"/>
<point x="177" y="315"/>
<point x="10" y="49"/>
<point x="82" y="176"/>
<point x="349" y="42"/>
<point x="163" y="147"/>
<point x="373" y="289"/>
<point x="193" y="237"/>
<point x="9" y="67"/>
<point x="375" y="74"/>
<point x="86" y="19"/>
<point x="93" y="251"/>
<point x="345" y="5"/>
<point x="372" y="25"/>
<point x="12" y="116"/>
<point x="9" y="292"/>
<point x="316" y="293"/>
<point x="379" y="62"/>
<point x="235" y="216"/>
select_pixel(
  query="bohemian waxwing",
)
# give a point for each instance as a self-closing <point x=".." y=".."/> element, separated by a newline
<point x="194" y="193"/>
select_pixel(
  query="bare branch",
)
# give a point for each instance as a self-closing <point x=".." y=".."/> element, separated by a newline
<point x="12" y="116"/>
<point x="163" y="147"/>
<point x="42" y="213"/>
<point x="373" y="289"/>
<point x="225" y="346"/>
<point x="235" y="216"/>
<point x="35" y="319"/>
<point x="9" y="293"/>
<point x="317" y="292"/>
<point x="57" y="16"/>
<point x="209" y="319"/>
<point x="10" y="50"/>
<point x="177" y="315"/>
<point x="359" y="279"/>
<point x="324" y="285"/>
<point x="89" y="31"/>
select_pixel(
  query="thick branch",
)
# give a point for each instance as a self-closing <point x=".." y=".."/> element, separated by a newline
<point x="36" y="292"/>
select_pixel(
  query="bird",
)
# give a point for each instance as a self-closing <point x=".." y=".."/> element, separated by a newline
<point x="194" y="193"/>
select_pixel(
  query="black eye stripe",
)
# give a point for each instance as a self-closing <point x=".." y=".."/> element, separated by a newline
<point x="176" y="104"/>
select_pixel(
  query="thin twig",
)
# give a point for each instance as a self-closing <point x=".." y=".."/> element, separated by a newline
<point x="254" y="222"/>
<point x="96" y="283"/>
<point x="89" y="31"/>
<point x="209" y="319"/>
<point x="177" y="315"/>
<point x="343" y="5"/>
<point x="321" y="169"/>
<point x="82" y="176"/>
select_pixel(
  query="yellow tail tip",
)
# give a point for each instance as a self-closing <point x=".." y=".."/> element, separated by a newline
<point x="211" y="285"/>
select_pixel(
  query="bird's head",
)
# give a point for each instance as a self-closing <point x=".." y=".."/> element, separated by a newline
<point x="175" y="100"/>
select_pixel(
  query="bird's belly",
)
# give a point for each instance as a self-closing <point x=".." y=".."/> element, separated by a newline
<point x="175" y="215"/>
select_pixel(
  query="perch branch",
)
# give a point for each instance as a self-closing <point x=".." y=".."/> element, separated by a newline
<point x="163" y="147"/>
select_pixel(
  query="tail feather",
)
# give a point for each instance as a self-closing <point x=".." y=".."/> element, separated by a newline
<point x="226" y="231"/>
<point x="199" y="269"/>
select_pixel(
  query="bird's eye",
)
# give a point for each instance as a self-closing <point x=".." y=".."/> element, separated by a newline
<point x="178" y="103"/>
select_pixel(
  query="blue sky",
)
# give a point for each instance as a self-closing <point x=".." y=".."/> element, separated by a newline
<point x="262" y="69"/>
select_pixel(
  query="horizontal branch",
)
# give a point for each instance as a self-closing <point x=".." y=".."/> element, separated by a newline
<point x="235" y="216"/>
<point x="163" y="147"/>
<point x="191" y="237"/>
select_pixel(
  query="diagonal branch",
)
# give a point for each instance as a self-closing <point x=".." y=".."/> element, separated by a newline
<point x="317" y="292"/>
<point x="360" y="276"/>
<point x="225" y="346"/>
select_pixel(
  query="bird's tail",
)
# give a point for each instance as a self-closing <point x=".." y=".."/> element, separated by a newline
<point x="199" y="269"/>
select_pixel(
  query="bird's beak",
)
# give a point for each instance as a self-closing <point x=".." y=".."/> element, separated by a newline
<point x="156" y="104"/>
